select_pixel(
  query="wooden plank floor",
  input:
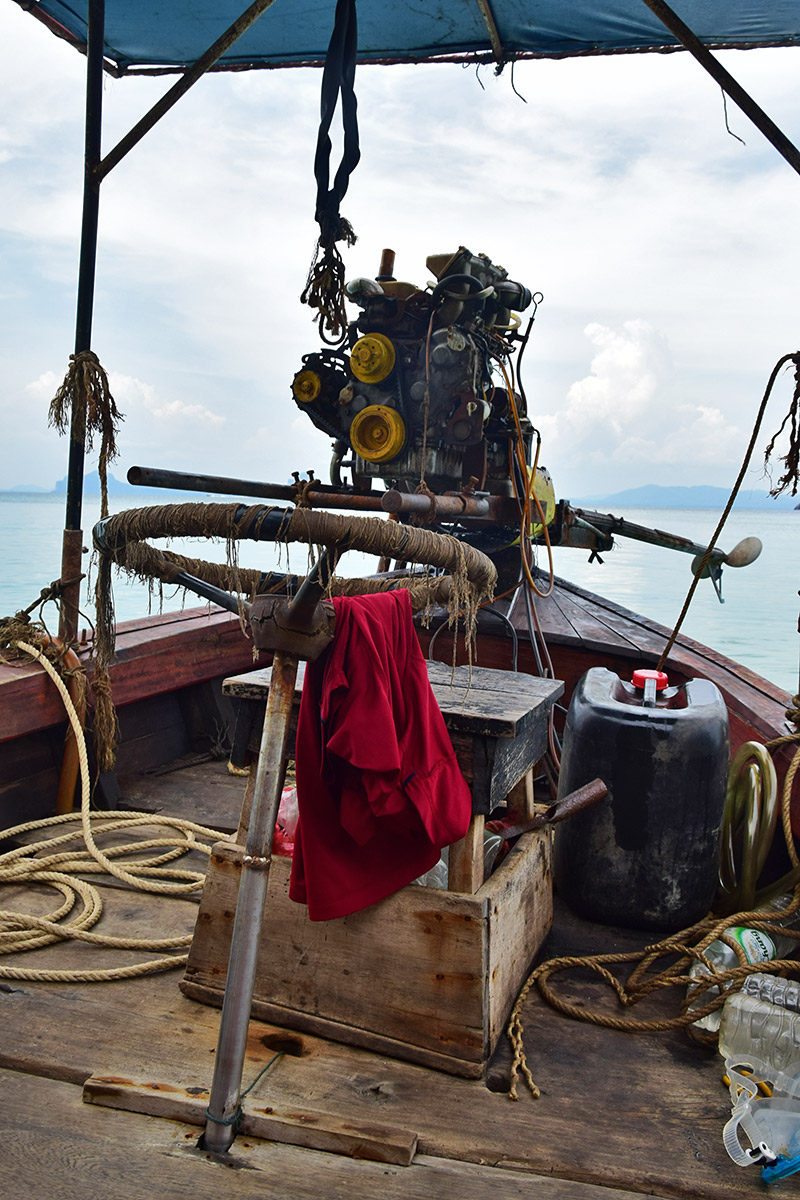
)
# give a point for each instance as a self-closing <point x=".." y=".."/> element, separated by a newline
<point x="619" y="1114"/>
<point x="55" y="1146"/>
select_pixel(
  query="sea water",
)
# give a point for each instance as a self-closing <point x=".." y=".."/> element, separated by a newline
<point x="757" y="624"/>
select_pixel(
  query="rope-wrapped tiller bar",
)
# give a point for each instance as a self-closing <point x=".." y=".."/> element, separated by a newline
<point x="122" y="540"/>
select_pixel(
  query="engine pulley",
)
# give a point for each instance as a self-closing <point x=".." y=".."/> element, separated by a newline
<point x="306" y="386"/>
<point x="372" y="358"/>
<point x="378" y="433"/>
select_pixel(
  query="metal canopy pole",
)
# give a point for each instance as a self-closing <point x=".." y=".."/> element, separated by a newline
<point x="72" y="543"/>
<point x="224" y="1104"/>
<point x="726" y="81"/>
<point x="498" y="53"/>
<point x="187" y="80"/>
<point x="95" y="170"/>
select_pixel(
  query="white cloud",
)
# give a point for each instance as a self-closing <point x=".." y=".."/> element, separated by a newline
<point x="624" y="380"/>
<point x="44" y="387"/>
<point x="625" y="421"/>
<point x="615" y="190"/>
<point x="135" y="397"/>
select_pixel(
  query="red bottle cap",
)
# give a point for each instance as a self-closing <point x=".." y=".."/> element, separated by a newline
<point x="640" y="677"/>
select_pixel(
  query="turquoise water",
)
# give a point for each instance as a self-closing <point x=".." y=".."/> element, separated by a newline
<point x="757" y="624"/>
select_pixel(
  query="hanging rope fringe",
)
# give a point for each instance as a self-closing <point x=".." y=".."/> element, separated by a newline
<point x="324" y="288"/>
<point x="791" y="460"/>
<point x="86" y="392"/>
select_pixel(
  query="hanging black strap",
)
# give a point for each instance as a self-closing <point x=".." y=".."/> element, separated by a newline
<point x="324" y="288"/>
<point x="338" y="79"/>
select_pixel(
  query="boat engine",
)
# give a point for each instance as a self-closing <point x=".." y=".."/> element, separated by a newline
<point x="413" y="396"/>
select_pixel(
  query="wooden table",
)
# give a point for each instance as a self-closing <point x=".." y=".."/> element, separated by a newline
<point x="497" y="721"/>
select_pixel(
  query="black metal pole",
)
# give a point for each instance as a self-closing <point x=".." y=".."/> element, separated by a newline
<point x="726" y="81"/>
<point x="88" y="249"/>
<point x="72" y="543"/>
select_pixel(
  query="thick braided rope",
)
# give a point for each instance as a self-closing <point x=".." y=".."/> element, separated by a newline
<point x="59" y="866"/>
<point x="469" y="582"/>
<point x="367" y="534"/>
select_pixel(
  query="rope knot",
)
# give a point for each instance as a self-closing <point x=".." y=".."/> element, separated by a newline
<point x="301" y="496"/>
<point x="428" y="518"/>
<point x="333" y="228"/>
<point x="85" y="405"/>
<point x="85" y="356"/>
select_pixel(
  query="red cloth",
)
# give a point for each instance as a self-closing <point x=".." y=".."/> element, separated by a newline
<point x="379" y="790"/>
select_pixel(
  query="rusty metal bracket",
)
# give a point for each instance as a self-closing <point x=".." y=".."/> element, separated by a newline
<point x="276" y="627"/>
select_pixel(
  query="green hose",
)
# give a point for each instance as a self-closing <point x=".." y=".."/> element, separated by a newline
<point x="749" y="821"/>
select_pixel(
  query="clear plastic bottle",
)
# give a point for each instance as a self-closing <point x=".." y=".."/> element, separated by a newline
<point x="775" y="988"/>
<point x="757" y="947"/>
<point x="754" y="1028"/>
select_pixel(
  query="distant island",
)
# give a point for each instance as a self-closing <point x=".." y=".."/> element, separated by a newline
<point x="91" y="488"/>
<point x="655" y="496"/>
<point x="649" y="496"/>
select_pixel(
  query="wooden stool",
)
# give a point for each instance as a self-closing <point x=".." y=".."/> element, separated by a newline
<point x="497" y="722"/>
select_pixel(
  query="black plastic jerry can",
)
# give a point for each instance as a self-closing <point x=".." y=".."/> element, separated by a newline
<point x="646" y="857"/>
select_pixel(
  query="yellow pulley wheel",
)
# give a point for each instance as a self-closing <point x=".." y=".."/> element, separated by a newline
<point x="372" y="358"/>
<point x="306" y="386"/>
<point x="378" y="433"/>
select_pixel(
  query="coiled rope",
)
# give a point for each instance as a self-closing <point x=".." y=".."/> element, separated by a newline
<point x="58" y="863"/>
<point x="689" y="945"/>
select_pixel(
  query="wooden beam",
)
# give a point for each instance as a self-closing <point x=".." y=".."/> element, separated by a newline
<point x="465" y="859"/>
<point x="726" y="81"/>
<point x="294" y="1127"/>
<point x="498" y="53"/>
<point x="187" y="80"/>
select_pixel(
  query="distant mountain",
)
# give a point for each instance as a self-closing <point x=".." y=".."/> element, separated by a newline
<point x="655" y="496"/>
<point x="91" y="485"/>
<point x="91" y="489"/>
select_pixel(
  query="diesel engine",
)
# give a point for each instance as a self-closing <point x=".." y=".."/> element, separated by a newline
<point x="422" y="390"/>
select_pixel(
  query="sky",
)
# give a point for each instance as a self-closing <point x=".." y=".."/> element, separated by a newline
<point x="667" y="252"/>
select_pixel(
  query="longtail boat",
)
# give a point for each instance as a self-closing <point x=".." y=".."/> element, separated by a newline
<point x="367" y="1054"/>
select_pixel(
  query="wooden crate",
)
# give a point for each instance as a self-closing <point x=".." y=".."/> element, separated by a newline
<point x="426" y="975"/>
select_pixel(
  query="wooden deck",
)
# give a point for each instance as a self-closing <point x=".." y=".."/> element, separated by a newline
<point x="581" y="626"/>
<point x="619" y="1116"/>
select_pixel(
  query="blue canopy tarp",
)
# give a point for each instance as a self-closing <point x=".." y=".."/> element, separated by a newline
<point x="159" y="34"/>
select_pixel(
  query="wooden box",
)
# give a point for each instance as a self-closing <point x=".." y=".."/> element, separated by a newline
<point x="426" y="975"/>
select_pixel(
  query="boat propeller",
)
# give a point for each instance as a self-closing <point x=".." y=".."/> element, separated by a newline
<point x="743" y="553"/>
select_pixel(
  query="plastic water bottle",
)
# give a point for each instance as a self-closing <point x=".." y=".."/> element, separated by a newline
<point x="757" y="947"/>
<point x="775" y="988"/>
<point x="754" y="1028"/>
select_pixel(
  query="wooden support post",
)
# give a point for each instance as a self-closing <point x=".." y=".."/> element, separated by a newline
<point x="520" y="804"/>
<point x="465" y="859"/>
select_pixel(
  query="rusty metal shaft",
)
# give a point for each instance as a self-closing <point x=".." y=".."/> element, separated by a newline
<point x="318" y="495"/>
<point x="224" y="1103"/>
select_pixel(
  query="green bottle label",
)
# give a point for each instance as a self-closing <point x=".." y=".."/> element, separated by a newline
<point x="757" y="946"/>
